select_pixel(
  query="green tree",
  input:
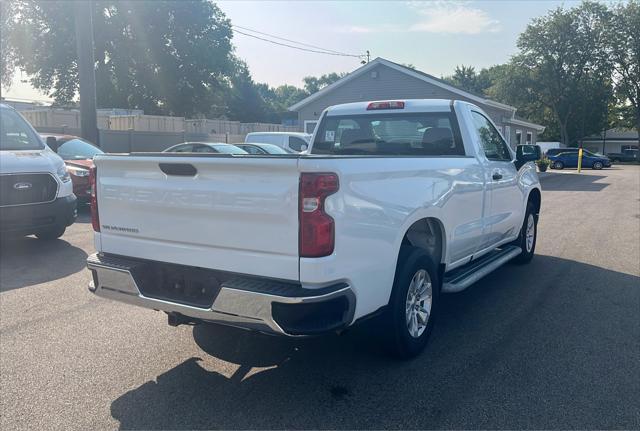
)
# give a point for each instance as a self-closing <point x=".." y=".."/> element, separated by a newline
<point x="625" y="52"/>
<point x="466" y="78"/>
<point x="314" y="84"/>
<point x="566" y="66"/>
<point x="169" y="57"/>
<point x="245" y="102"/>
<point x="280" y="98"/>
<point x="7" y="51"/>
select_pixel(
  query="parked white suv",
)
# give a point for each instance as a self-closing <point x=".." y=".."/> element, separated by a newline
<point x="36" y="194"/>
<point x="396" y="202"/>
<point x="290" y="141"/>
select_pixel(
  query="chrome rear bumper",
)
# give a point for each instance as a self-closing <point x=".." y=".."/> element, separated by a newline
<point x="245" y="303"/>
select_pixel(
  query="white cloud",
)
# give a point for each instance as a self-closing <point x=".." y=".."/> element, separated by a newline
<point x="437" y="17"/>
<point x="452" y="17"/>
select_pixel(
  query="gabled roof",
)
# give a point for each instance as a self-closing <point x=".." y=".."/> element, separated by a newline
<point x="408" y="71"/>
<point x="520" y="122"/>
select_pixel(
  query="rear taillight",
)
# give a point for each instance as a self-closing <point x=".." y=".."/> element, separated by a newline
<point x="317" y="228"/>
<point x="93" y="182"/>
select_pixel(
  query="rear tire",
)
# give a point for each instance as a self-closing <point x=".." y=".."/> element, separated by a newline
<point x="409" y="318"/>
<point x="528" y="236"/>
<point x="51" y="233"/>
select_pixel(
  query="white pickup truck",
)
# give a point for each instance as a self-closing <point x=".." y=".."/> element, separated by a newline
<point x="396" y="202"/>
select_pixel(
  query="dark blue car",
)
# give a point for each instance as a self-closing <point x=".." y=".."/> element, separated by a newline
<point x="570" y="160"/>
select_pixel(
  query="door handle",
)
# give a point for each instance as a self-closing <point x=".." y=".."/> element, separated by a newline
<point x="497" y="176"/>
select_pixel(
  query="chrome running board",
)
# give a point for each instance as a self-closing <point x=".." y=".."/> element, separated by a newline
<point x="463" y="277"/>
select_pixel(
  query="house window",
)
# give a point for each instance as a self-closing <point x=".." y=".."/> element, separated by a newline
<point x="518" y="137"/>
<point x="628" y="147"/>
<point x="309" y="126"/>
<point x="529" y="138"/>
<point x="507" y="134"/>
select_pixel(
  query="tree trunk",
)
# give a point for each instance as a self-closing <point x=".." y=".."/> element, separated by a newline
<point x="564" y="138"/>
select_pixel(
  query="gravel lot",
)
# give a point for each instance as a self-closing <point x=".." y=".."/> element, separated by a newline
<point x="554" y="344"/>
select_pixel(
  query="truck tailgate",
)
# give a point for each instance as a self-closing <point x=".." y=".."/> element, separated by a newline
<point x="237" y="214"/>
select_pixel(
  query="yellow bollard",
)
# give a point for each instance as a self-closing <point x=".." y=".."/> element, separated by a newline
<point x="579" y="159"/>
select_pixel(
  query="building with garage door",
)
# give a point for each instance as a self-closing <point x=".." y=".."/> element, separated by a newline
<point x="382" y="79"/>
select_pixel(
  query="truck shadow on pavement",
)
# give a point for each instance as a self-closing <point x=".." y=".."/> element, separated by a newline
<point x="573" y="182"/>
<point x="46" y="261"/>
<point x="498" y="348"/>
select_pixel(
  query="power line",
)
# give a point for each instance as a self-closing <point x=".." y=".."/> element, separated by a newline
<point x="286" y="40"/>
<point x="340" y="54"/>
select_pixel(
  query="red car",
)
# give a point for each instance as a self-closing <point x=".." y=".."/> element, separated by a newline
<point x="78" y="156"/>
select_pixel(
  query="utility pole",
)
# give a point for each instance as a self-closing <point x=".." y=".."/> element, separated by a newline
<point x="368" y="57"/>
<point x="86" y="70"/>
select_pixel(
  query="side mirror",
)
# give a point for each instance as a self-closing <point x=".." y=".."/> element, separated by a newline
<point x="528" y="153"/>
<point x="52" y="143"/>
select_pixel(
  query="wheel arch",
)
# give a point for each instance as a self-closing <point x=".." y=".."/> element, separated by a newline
<point x="535" y="197"/>
<point x="427" y="233"/>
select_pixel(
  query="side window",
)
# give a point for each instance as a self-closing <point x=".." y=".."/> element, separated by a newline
<point x="297" y="144"/>
<point x="203" y="149"/>
<point x="253" y="150"/>
<point x="187" y="148"/>
<point x="494" y="147"/>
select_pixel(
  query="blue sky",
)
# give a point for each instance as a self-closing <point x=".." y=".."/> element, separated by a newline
<point x="434" y="36"/>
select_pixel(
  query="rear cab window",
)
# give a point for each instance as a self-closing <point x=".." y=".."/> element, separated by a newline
<point x="393" y="134"/>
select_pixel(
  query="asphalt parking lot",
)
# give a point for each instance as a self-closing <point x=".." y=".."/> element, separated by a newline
<point x="553" y="344"/>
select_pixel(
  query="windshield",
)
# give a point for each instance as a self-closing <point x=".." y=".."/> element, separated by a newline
<point x="77" y="149"/>
<point x="426" y="134"/>
<point x="15" y="133"/>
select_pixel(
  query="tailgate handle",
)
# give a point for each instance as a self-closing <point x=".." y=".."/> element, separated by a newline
<point x="181" y="169"/>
